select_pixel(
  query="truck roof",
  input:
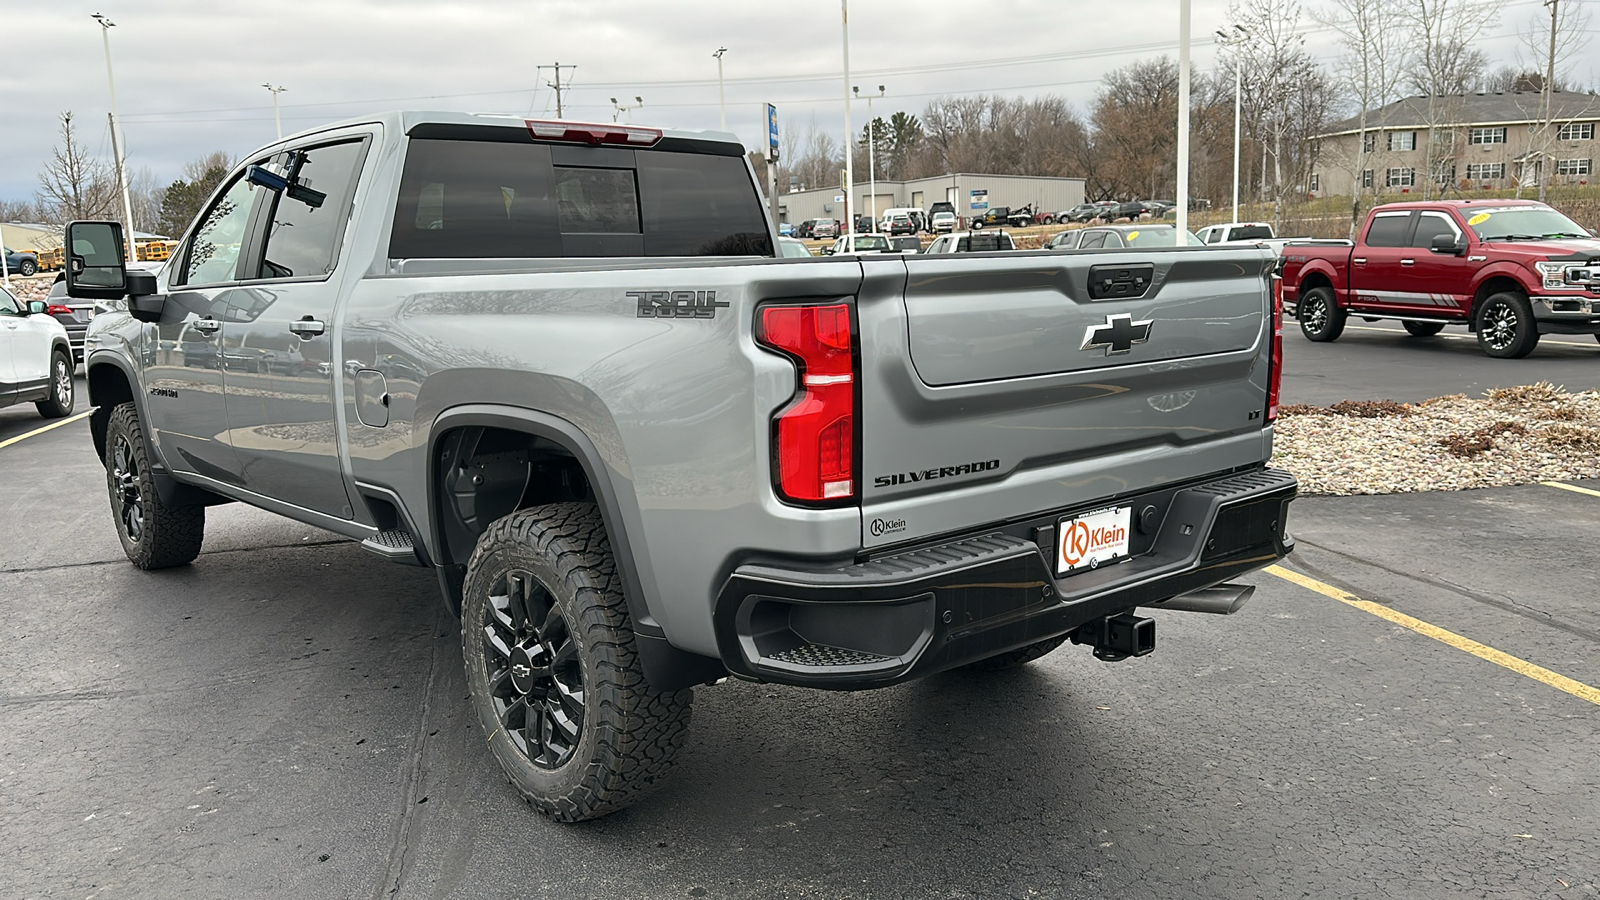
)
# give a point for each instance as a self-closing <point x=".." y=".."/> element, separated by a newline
<point x="405" y="120"/>
<point x="1459" y="204"/>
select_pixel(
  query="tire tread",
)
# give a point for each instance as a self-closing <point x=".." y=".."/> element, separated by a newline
<point x="173" y="534"/>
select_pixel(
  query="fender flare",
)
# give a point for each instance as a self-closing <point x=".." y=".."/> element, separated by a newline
<point x="1503" y="269"/>
<point x="666" y="667"/>
<point x="1317" y="267"/>
<point x="172" y="491"/>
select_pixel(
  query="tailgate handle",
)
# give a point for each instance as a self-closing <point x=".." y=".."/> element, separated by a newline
<point x="1120" y="282"/>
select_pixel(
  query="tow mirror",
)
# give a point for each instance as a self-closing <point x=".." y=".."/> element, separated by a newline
<point x="95" y="270"/>
<point x="1455" y="245"/>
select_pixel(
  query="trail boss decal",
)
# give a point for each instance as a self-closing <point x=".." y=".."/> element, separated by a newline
<point x="884" y="481"/>
<point x="678" y="304"/>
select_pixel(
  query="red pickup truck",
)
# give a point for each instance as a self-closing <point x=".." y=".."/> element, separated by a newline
<point x="1509" y="270"/>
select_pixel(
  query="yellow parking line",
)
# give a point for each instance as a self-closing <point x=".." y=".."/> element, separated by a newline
<point x="1482" y="651"/>
<point x="1570" y="487"/>
<point x="37" y="431"/>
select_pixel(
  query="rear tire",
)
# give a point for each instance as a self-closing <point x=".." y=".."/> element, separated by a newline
<point x="1506" y="329"/>
<point x="552" y="669"/>
<point x="1423" y="329"/>
<point x="1321" y="319"/>
<point x="59" y="404"/>
<point x="153" y="534"/>
<point x="27" y="267"/>
<point x="1017" y="657"/>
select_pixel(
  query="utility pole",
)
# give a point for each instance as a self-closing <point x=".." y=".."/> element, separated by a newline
<point x="117" y="144"/>
<point x="1549" y="100"/>
<point x="1227" y="39"/>
<point x="872" y="156"/>
<point x="1183" y="124"/>
<point x="275" y="120"/>
<point x="849" y="133"/>
<point x="722" y="109"/>
<point x="618" y="109"/>
<point x="557" y="85"/>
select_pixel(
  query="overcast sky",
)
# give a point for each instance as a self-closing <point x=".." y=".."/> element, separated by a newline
<point x="189" y="74"/>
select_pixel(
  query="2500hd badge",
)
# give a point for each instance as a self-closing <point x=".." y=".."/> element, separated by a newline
<point x="884" y="481"/>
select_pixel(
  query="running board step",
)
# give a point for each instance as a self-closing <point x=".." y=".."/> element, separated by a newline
<point x="395" y="545"/>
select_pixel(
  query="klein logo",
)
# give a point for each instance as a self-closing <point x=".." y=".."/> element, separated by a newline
<point x="881" y="527"/>
<point x="930" y="474"/>
<point x="678" y="304"/>
<point x="1080" y="541"/>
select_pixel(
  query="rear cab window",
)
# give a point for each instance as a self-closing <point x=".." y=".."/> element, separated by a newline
<point x="1388" y="229"/>
<point x="495" y="193"/>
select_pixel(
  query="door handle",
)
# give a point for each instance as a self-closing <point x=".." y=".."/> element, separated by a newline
<point x="1360" y="260"/>
<point x="308" y="327"/>
<point x="208" y="325"/>
<point x="1408" y="262"/>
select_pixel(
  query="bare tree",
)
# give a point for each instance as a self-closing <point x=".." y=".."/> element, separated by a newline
<point x="1568" y="35"/>
<point x="1275" y="65"/>
<point x="1370" y="72"/>
<point x="1443" y="34"/>
<point x="18" y="211"/>
<point x="73" y="184"/>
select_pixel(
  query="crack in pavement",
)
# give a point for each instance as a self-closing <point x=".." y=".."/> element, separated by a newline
<point x="1505" y="605"/>
<point x="400" y="848"/>
<point x="23" y="570"/>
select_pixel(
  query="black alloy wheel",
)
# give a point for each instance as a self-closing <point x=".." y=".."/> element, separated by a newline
<point x="1423" y="329"/>
<point x="535" y="679"/>
<point x="59" y="404"/>
<point x="1506" y="329"/>
<point x="1321" y="319"/>
<point x="153" y="534"/>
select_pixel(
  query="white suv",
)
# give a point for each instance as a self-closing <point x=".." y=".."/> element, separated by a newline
<point x="35" y="358"/>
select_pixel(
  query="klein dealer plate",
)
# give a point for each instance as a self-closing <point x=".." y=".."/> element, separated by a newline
<point x="1087" y="541"/>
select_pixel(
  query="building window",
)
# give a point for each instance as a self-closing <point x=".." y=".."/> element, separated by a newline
<point x="1576" y="131"/>
<point x="1488" y="136"/>
<point x="1369" y="142"/>
<point x="1366" y="178"/>
<point x="1444" y="172"/>
<point x="1316" y="182"/>
<point x="1485" y="171"/>
<point x="1400" y="176"/>
<point x="1402" y="140"/>
<point x="1572" y="167"/>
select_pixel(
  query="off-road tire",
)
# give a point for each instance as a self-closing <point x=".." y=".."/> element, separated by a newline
<point x="1321" y="319"/>
<point x="1423" y="329"/>
<point x="62" y="393"/>
<point x="165" y="536"/>
<point x="628" y="736"/>
<point x="27" y="267"/>
<point x="1505" y="325"/>
<point x="1017" y="657"/>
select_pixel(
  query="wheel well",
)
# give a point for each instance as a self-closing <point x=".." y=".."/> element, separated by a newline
<point x="1491" y="287"/>
<point x="1313" y="281"/>
<point x="108" y="388"/>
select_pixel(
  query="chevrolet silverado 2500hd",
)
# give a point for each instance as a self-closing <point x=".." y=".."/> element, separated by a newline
<point x="561" y="365"/>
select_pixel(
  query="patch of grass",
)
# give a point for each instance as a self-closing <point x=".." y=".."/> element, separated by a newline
<point x="1301" y="409"/>
<point x="1447" y="398"/>
<point x="1540" y="392"/>
<point x="1570" y="437"/>
<point x="1564" y="413"/>
<point x="1469" y="445"/>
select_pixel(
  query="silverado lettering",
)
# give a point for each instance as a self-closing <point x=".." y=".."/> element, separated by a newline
<point x="930" y="474"/>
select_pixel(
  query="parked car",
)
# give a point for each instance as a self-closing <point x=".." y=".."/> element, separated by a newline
<point x="824" y="228"/>
<point x="1137" y="209"/>
<point x="786" y="229"/>
<point x="907" y="243"/>
<point x="1019" y="217"/>
<point x="1509" y="270"/>
<point x="21" y="262"/>
<point x="792" y="247"/>
<point x="971" y="242"/>
<point x="35" y="357"/>
<point x="899" y="223"/>
<point x="1153" y="234"/>
<point x="1064" y="240"/>
<point x="1083" y="212"/>
<point x="74" y="315"/>
<point x="860" y="243"/>
<point x="942" y="221"/>
<point x="1236" y="232"/>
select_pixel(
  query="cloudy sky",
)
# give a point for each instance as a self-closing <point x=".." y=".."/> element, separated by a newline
<point x="189" y="73"/>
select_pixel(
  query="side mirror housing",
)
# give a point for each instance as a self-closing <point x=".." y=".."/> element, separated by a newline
<point x="95" y="270"/>
<point x="1448" y="243"/>
<point x="37" y="307"/>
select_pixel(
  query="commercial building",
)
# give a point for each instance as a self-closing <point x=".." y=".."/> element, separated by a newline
<point x="971" y="194"/>
<point x="1461" y="142"/>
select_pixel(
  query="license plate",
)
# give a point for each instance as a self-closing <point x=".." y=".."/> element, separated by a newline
<point x="1092" y="539"/>
<point x="82" y="315"/>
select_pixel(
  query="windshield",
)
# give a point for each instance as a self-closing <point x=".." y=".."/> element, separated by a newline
<point x="871" y="242"/>
<point x="1522" y="223"/>
<point x="1158" y="237"/>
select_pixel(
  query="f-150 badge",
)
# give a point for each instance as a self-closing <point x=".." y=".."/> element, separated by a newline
<point x="1117" y="335"/>
<point x="678" y="304"/>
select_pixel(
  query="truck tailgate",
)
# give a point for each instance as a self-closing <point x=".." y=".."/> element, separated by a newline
<point x="1000" y="386"/>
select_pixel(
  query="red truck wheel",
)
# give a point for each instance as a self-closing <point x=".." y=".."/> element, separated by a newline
<point x="1506" y="329"/>
<point x="1321" y="319"/>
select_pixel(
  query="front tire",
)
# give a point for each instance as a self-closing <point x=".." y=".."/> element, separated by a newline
<point x="1506" y="329"/>
<point x="27" y="267"/>
<point x="1321" y="319"/>
<point x="1423" y="329"/>
<point x="552" y="669"/>
<point x="62" y="396"/>
<point x="153" y="534"/>
<point x="1017" y="657"/>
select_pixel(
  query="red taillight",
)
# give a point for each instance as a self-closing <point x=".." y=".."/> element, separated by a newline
<point x="591" y="133"/>
<point x="56" y="309"/>
<point x="815" y="435"/>
<point x="1275" y="377"/>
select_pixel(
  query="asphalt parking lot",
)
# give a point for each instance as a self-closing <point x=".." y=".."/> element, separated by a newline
<point x="286" y="718"/>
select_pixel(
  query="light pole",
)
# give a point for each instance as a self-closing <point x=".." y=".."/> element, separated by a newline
<point x="1183" y="124"/>
<point x="618" y="109"/>
<point x="872" y="147"/>
<point x="849" y="132"/>
<point x="1228" y="40"/>
<point x="118" y="140"/>
<point x="722" y="109"/>
<point x="275" y="120"/>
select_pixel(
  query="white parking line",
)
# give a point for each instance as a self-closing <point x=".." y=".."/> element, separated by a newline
<point x="37" y="431"/>
<point x="1468" y="337"/>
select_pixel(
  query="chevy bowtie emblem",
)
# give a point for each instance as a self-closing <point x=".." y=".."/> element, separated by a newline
<point x="1117" y="335"/>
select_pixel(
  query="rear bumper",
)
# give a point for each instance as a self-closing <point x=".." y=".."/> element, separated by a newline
<point x="916" y="612"/>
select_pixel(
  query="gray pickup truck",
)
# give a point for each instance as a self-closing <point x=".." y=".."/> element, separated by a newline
<point x="561" y="365"/>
